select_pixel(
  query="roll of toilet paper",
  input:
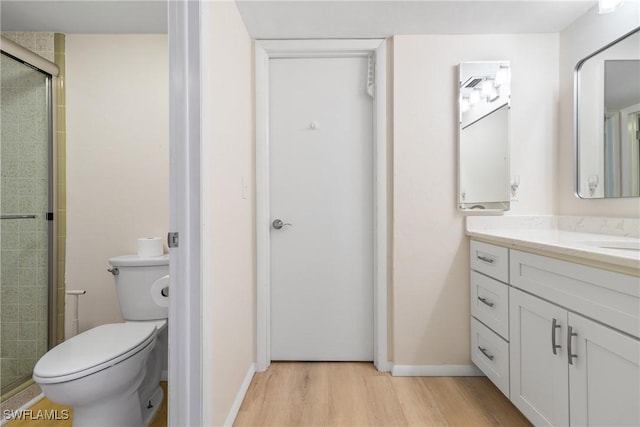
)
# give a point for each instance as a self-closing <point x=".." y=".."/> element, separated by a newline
<point x="160" y="291"/>
<point x="150" y="246"/>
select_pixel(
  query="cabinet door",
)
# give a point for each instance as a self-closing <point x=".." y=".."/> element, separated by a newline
<point x="539" y="373"/>
<point x="604" y="376"/>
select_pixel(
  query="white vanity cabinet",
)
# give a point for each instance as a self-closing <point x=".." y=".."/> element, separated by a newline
<point x="569" y="370"/>
<point x="490" y="312"/>
<point x="573" y="342"/>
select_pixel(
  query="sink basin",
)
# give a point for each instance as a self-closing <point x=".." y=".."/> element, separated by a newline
<point x="616" y="244"/>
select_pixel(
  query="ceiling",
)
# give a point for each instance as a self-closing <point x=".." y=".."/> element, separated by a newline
<point x="373" y="19"/>
<point x="85" y="16"/>
<point x="305" y="18"/>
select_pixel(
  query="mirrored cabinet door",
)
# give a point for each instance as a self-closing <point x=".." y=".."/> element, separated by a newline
<point x="484" y="137"/>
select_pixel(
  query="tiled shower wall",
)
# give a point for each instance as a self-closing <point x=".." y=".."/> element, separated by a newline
<point x="61" y="179"/>
<point x="24" y="243"/>
<point x="19" y="300"/>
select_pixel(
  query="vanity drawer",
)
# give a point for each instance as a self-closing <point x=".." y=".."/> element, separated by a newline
<point x="490" y="353"/>
<point x="609" y="297"/>
<point x="490" y="260"/>
<point x="490" y="303"/>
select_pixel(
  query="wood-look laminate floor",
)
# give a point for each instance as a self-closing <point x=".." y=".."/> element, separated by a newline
<point x="45" y="405"/>
<point x="348" y="394"/>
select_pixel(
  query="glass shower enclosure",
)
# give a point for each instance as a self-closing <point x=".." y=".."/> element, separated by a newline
<point x="27" y="292"/>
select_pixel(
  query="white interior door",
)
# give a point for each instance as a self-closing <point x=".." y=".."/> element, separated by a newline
<point x="321" y="167"/>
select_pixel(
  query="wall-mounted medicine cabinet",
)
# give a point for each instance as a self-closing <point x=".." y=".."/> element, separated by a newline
<point x="483" y="124"/>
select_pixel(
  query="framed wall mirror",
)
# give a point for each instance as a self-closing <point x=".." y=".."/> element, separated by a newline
<point x="483" y="125"/>
<point x="607" y="120"/>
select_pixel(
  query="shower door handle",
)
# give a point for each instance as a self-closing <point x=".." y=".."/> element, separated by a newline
<point x="17" y="216"/>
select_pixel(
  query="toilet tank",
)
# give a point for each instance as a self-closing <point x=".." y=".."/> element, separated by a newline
<point x="139" y="283"/>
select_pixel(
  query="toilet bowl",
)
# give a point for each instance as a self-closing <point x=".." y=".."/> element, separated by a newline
<point x="111" y="374"/>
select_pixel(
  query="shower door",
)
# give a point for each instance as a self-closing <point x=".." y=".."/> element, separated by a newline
<point x="25" y="226"/>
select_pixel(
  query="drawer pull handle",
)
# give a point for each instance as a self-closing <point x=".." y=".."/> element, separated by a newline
<point x="486" y="259"/>
<point x="484" y="351"/>
<point x="570" y="355"/>
<point x="554" y="346"/>
<point x="484" y="301"/>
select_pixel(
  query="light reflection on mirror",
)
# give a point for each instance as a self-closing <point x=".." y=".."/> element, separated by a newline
<point x="608" y="121"/>
<point x="484" y="105"/>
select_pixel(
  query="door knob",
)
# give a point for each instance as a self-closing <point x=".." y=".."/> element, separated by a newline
<point x="278" y="224"/>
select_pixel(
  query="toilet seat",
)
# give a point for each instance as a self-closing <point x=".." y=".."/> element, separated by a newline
<point x="93" y="351"/>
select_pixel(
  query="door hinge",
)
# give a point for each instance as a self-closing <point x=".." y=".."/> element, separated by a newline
<point x="173" y="239"/>
<point x="371" y="75"/>
<point x="49" y="216"/>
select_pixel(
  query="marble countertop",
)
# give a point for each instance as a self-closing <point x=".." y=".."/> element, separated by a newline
<point x="557" y="236"/>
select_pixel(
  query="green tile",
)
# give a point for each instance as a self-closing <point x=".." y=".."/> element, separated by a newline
<point x="26" y="364"/>
<point x="27" y="349"/>
<point x="8" y="368"/>
<point x="9" y="295"/>
<point x="61" y="144"/>
<point x="8" y="349"/>
<point x="10" y="313"/>
<point x="61" y="117"/>
<point x="27" y="330"/>
<point x="59" y="41"/>
<point x="62" y="201"/>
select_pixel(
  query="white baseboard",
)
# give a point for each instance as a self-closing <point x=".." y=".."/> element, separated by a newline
<point x="436" y="371"/>
<point x="233" y="412"/>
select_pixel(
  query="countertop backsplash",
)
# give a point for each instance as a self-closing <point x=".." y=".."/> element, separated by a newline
<point x="627" y="227"/>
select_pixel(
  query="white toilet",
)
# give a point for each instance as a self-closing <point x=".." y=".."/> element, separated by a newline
<point x="111" y="374"/>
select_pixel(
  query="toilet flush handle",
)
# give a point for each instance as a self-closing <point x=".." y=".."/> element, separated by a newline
<point x="114" y="271"/>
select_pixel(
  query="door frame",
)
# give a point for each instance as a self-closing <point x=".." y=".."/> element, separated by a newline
<point x="270" y="49"/>
<point x="185" y="401"/>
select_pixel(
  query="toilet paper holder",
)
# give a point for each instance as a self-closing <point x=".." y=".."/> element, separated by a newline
<point x="160" y="291"/>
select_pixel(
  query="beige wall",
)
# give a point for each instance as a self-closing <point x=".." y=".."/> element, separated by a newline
<point x="228" y="251"/>
<point x="117" y="160"/>
<point x="587" y="34"/>
<point x="430" y="252"/>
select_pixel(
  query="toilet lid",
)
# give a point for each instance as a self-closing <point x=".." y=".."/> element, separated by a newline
<point x="138" y="261"/>
<point x="93" y="351"/>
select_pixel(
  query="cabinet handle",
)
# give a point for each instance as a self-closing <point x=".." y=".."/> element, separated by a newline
<point x="486" y="259"/>
<point x="484" y="301"/>
<point x="570" y="355"/>
<point x="554" y="346"/>
<point x="484" y="351"/>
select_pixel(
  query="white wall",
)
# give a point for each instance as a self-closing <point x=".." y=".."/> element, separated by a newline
<point x="117" y="160"/>
<point x="587" y="34"/>
<point x="228" y="252"/>
<point x="430" y="252"/>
